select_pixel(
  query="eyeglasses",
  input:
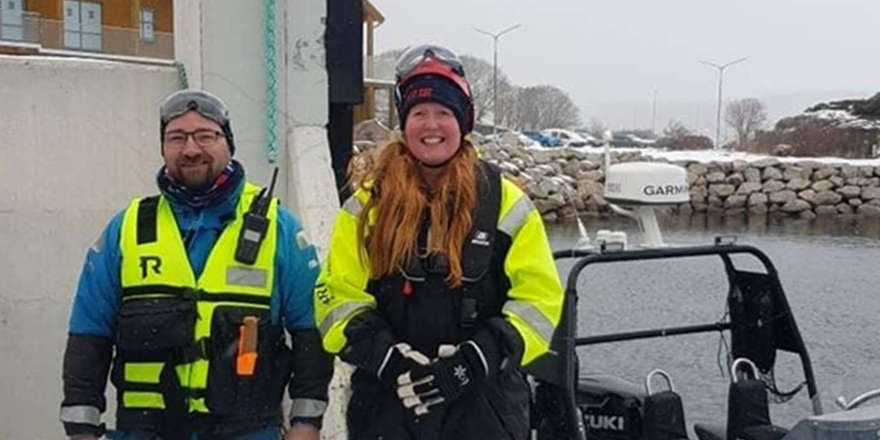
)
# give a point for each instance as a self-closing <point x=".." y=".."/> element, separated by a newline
<point x="415" y="56"/>
<point x="202" y="138"/>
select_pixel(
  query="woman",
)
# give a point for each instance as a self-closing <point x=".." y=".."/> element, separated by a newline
<point x="440" y="283"/>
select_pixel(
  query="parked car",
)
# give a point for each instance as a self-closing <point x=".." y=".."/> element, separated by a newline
<point x="546" y="140"/>
<point x="626" y="140"/>
<point x="568" y="137"/>
<point x="591" y="140"/>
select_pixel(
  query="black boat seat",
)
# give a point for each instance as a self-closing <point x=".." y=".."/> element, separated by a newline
<point x="748" y="411"/>
<point x="710" y="432"/>
<point x="718" y="432"/>
<point x="663" y="416"/>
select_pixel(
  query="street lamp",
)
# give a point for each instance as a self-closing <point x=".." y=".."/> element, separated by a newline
<point x="495" y="38"/>
<point x="720" y="85"/>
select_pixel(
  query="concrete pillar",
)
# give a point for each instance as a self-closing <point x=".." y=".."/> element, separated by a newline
<point x="221" y="43"/>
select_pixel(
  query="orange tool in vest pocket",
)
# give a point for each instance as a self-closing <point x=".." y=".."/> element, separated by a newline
<point x="246" y="362"/>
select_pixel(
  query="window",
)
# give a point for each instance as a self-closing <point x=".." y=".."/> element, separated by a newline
<point x="148" y="17"/>
<point x="12" y="20"/>
<point x="82" y="25"/>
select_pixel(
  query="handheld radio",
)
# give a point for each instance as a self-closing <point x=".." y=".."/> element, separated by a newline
<point x="255" y="225"/>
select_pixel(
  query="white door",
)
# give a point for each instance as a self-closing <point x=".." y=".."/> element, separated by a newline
<point x="90" y="18"/>
<point x="72" y="28"/>
<point x="12" y="20"/>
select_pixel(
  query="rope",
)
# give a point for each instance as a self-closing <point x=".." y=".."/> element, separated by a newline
<point x="271" y="83"/>
<point x="181" y="74"/>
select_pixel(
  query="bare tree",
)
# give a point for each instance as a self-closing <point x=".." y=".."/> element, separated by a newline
<point x="597" y="128"/>
<point x="676" y="130"/>
<point x="745" y="116"/>
<point x="479" y="73"/>
<point x="542" y="107"/>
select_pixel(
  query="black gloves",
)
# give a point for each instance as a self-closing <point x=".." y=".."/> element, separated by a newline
<point x="399" y="359"/>
<point x="455" y="370"/>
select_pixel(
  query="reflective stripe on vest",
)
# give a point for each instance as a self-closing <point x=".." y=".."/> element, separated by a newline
<point x="160" y="268"/>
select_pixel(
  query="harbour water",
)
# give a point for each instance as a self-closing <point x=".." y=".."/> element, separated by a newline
<point x="829" y="270"/>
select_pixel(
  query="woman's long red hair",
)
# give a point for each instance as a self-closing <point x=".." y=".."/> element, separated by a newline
<point x="401" y="198"/>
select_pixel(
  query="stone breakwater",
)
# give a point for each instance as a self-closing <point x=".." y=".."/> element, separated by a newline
<point x="567" y="182"/>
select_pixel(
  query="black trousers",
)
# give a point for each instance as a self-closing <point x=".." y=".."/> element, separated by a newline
<point x="497" y="409"/>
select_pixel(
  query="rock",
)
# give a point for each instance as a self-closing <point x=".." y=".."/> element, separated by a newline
<point x="855" y="202"/>
<point x="734" y="212"/>
<point x="735" y="201"/>
<point x="870" y="193"/>
<point x="844" y="209"/>
<point x="798" y="183"/>
<point x="556" y="201"/>
<point x="757" y="199"/>
<point x="701" y="181"/>
<point x="765" y="162"/>
<point x="589" y="188"/>
<point x="551" y="186"/>
<point x="715" y="177"/>
<point x="806" y="215"/>
<point x="758" y="209"/>
<point x="721" y="190"/>
<point x="551" y="217"/>
<point x="837" y="181"/>
<point x="699" y="207"/>
<point x="872" y="181"/>
<point x="715" y="201"/>
<point x="771" y="173"/>
<point x="773" y="186"/>
<point x="537" y="191"/>
<point x="826" y="211"/>
<point x="824" y="173"/>
<point x="782" y="197"/>
<point x="752" y="175"/>
<point x="749" y="188"/>
<point x="697" y="168"/>
<point x="848" y="171"/>
<point x="866" y="171"/>
<point x="739" y="166"/>
<point x="540" y="171"/>
<point x="568" y="212"/>
<point x="699" y="191"/>
<point x="735" y="179"/>
<point x="588" y="165"/>
<point x="827" y="198"/>
<point x="596" y="176"/>
<point x="869" y="211"/>
<point x="793" y="172"/>
<point x="808" y="195"/>
<point x="822" y="185"/>
<point x="519" y="162"/>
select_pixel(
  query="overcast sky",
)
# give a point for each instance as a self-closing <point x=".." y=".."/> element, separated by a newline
<point x="612" y="55"/>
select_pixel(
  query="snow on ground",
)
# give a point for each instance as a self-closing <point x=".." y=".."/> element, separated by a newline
<point x="706" y="156"/>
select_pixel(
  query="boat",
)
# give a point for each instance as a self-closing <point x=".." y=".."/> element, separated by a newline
<point x="759" y="323"/>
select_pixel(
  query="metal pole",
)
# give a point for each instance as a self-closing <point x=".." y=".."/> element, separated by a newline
<point x="720" y="87"/>
<point x="495" y="89"/>
<point x="495" y="38"/>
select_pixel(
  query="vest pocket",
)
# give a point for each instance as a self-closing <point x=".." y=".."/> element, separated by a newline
<point x="156" y="324"/>
<point x="230" y="392"/>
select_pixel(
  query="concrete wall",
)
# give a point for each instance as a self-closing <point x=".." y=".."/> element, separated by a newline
<point x="78" y="139"/>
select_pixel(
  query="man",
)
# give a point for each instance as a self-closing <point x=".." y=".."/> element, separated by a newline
<point x="187" y="295"/>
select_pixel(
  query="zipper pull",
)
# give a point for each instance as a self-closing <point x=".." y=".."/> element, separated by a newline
<point x="407" y="288"/>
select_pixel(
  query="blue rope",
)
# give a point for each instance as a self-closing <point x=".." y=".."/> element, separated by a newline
<point x="271" y="83"/>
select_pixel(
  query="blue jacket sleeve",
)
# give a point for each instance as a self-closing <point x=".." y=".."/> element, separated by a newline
<point x="97" y="296"/>
<point x="297" y="269"/>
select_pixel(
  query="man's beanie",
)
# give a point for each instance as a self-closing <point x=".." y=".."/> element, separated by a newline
<point x="435" y="88"/>
<point x="205" y="103"/>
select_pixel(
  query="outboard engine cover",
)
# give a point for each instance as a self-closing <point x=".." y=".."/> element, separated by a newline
<point x="611" y="407"/>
